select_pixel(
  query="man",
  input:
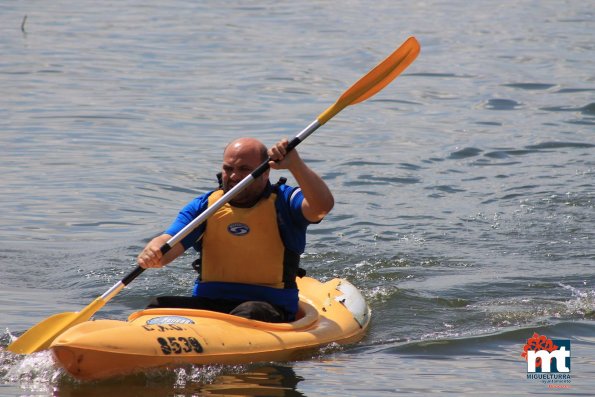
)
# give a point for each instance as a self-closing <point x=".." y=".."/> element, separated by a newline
<point x="250" y="248"/>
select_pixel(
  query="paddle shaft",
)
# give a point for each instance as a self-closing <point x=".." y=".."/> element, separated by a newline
<point x="40" y="336"/>
<point x="227" y="197"/>
<point x="364" y="88"/>
<point x="367" y="86"/>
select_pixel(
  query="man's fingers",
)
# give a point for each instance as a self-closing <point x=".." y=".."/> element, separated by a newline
<point x="278" y="151"/>
<point x="150" y="257"/>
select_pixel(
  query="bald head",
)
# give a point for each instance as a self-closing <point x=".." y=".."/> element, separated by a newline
<point x="247" y="147"/>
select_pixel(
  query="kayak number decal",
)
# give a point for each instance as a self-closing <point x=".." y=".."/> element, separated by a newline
<point x="179" y="345"/>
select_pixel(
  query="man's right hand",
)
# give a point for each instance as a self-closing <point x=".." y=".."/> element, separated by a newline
<point x="151" y="255"/>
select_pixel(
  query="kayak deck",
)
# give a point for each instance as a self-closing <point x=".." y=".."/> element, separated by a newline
<point x="331" y="312"/>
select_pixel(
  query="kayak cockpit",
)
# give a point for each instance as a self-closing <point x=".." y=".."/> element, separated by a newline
<point x="307" y="317"/>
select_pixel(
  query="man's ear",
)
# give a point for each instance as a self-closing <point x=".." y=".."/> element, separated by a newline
<point x="220" y="179"/>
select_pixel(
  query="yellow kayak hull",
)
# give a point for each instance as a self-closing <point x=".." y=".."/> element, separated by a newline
<point x="331" y="312"/>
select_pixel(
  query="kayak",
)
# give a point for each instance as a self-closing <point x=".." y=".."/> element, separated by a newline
<point x="330" y="312"/>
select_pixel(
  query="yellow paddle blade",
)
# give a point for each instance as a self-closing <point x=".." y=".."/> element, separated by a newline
<point x="41" y="336"/>
<point x="376" y="79"/>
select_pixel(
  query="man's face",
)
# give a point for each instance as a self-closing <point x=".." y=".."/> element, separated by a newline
<point x="239" y="160"/>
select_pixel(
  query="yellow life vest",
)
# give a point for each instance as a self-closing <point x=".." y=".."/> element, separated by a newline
<point x="243" y="245"/>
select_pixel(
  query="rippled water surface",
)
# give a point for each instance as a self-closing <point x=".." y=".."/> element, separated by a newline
<point x="465" y="198"/>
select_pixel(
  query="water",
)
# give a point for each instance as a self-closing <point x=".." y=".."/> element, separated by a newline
<point x="464" y="190"/>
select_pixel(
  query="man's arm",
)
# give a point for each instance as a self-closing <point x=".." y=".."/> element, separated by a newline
<point x="318" y="199"/>
<point x="151" y="256"/>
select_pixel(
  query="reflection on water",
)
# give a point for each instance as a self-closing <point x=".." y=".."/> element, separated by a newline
<point x="37" y="375"/>
<point x="274" y="380"/>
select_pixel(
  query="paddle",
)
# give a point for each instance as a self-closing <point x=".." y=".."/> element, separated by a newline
<point x="40" y="336"/>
